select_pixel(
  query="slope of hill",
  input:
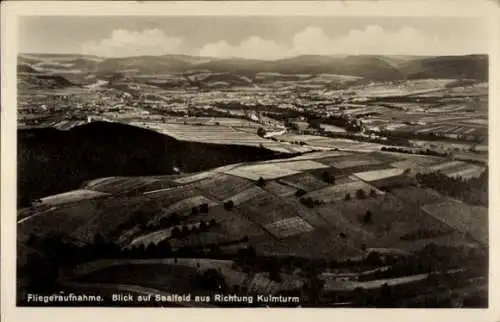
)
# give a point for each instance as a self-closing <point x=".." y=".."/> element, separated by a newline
<point x="372" y="67"/>
<point x="42" y="81"/>
<point x="25" y="68"/>
<point x="136" y="210"/>
<point x="53" y="161"/>
<point x="472" y="66"/>
<point x="144" y="64"/>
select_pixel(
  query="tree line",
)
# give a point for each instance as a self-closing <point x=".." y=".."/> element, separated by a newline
<point x="472" y="191"/>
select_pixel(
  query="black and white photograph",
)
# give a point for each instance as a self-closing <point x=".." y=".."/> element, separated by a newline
<point x="221" y="161"/>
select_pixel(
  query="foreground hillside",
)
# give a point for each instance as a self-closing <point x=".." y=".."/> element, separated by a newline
<point x="55" y="160"/>
<point x="334" y="208"/>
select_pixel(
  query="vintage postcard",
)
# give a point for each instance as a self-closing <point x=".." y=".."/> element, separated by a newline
<point x="248" y="155"/>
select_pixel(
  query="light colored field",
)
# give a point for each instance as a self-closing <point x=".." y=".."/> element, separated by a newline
<point x="338" y="192"/>
<point x="194" y="177"/>
<point x="317" y="156"/>
<point x="71" y="196"/>
<point x="188" y="203"/>
<point x="417" y="164"/>
<point x="478" y="121"/>
<point x="332" y="128"/>
<point x="468" y="173"/>
<point x="379" y="174"/>
<point x="212" y="134"/>
<point x="445" y="165"/>
<point x="301" y="165"/>
<point x="305" y="181"/>
<point x="465" y="170"/>
<point x="248" y="194"/>
<point x="288" y="227"/>
<point x="299" y="137"/>
<point x="152" y="238"/>
<point x="355" y="161"/>
<point x="266" y="171"/>
<point x="121" y="184"/>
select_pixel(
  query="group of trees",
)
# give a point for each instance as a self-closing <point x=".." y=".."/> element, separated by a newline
<point x="420" y="151"/>
<point x="180" y="232"/>
<point x="311" y="203"/>
<point x="328" y="177"/>
<point x="229" y="205"/>
<point x="472" y="191"/>
<point x="432" y="136"/>
<point x="142" y="219"/>
<point x="361" y="194"/>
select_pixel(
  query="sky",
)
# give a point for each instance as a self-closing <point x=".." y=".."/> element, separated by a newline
<point x="251" y="37"/>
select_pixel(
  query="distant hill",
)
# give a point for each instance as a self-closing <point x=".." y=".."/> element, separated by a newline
<point x="43" y="81"/>
<point x="472" y="66"/>
<point x="145" y="64"/>
<point x="25" y="68"/>
<point x="370" y="67"/>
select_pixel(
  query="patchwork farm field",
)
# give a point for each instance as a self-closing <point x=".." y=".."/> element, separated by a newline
<point x="186" y="205"/>
<point x="379" y="174"/>
<point x="116" y="185"/>
<point x="222" y="186"/>
<point x="252" y="193"/>
<point x="305" y="181"/>
<point x="216" y="134"/>
<point x="338" y="192"/>
<point x="274" y="218"/>
<point x="266" y="171"/>
<point x="71" y="196"/>
<point x="289" y="227"/>
<point x="467" y="219"/>
<point x="279" y="189"/>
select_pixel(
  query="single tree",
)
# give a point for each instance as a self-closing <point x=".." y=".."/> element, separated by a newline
<point x="261" y="131"/>
<point x="176" y="232"/>
<point x="368" y="217"/>
<point x="204" y="208"/>
<point x="261" y="182"/>
<point x="203" y="226"/>
<point x="300" y="192"/>
<point x="360" y="193"/>
<point x="228" y="205"/>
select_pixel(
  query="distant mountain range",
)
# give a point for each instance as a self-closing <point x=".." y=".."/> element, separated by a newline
<point x="369" y="67"/>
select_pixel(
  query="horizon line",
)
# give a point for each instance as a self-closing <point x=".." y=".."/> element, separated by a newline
<point x="246" y="58"/>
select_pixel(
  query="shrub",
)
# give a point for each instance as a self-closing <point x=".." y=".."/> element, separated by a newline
<point x="368" y="217"/>
<point x="360" y="194"/>
<point x="204" y="208"/>
<point x="228" y="205"/>
<point x="300" y="192"/>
